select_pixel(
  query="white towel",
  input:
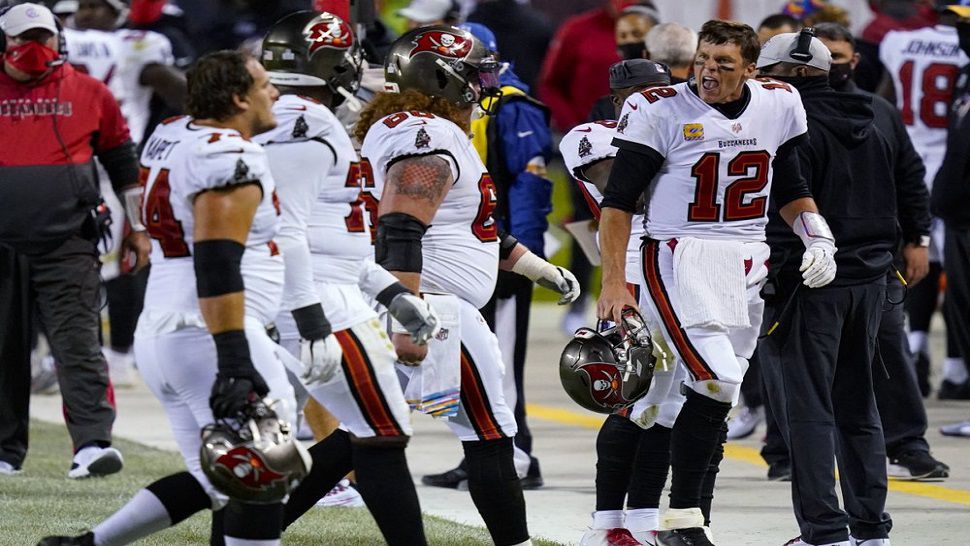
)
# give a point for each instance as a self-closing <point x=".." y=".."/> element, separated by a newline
<point x="434" y="386"/>
<point x="711" y="284"/>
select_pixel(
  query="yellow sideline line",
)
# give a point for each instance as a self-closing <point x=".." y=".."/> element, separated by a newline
<point x="749" y="455"/>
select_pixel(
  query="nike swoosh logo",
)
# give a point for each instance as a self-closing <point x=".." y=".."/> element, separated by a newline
<point x="239" y="151"/>
<point x="420" y="122"/>
<point x="300" y="108"/>
<point x="586" y="130"/>
<point x="633" y="106"/>
<point x="523" y="134"/>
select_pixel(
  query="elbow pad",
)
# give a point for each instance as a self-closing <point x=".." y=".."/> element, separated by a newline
<point x="217" y="269"/>
<point x="398" y="243"/>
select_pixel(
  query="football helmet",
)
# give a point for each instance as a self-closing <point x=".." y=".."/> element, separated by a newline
<point x="444" y="61"/>
<point x="253" y="458"/>
<point x="309" y="48"/>
<point x="608" y="370"/>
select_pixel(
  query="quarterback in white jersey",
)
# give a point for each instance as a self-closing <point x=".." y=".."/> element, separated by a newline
<point x="704" y="154"/>
<point x="329" y="259"/>
<point x="921" y="69"/>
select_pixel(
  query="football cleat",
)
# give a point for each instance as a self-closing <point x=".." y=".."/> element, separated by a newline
<point x="869" y="542"/>
<point x="956" y="429"/>
<point x="617" y="536"/>
<point x="797" y="541"/>
<point x="94" y="461"/>
<point x="692" y="536"/>
<point x="87" y="539"/>
<point x="611" y="369"/>
<point x="745" y="422"/>
<point x="342" y="495"/>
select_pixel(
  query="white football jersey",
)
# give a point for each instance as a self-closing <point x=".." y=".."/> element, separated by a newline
<point x="924" y="64"/>
<point x="180" y="160"/>
<point x="585" y="145"/>
<point x="318" y="177"/>
<point x="461" y="244"/>
<point x="97" y="54"/>
<point x="716" y="175"/>
<point x="140" y="48"/>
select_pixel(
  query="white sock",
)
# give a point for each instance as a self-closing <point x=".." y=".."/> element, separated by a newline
<point x="917" y="342"/>
<point x="143" y="515"/>
<point x="642" y="519"/>
<point x="232" y="541"/>
<point x="955" y="370"/>
<point x="607" y="519"/>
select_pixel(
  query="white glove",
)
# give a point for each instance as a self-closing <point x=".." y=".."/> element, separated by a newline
<point x="321" y="359"/>
<point x="416" y="316"/>
<point x="818" y="264"/>
<point x="549" y="276"/>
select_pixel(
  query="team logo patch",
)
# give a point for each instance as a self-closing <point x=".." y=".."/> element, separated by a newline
<point x="422" y="139"/>
<point x="300" y="128"/>
<point x="604" y="383"/>
<point x="333" y="33"/>
<point x="249" y="468"/>
<point x="736" y="128"/>
<point x="693" y="131"/>
<point x="585" y="148"/>
<point x="241" y="173"/>
<point x="442" y="334"/>
<point x="441" y="43"/>
<point x="624" y="121"/>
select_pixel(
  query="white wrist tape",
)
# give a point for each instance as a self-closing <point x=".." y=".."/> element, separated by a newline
<point x="810" y="227"/>
<point x="132" y="198"/>
<point x="533" y="267"/>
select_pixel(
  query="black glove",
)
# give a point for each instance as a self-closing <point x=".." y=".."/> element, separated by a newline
<point x="237" y="383"/>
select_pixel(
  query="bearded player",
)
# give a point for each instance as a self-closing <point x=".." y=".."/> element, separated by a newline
<point x="705" y="154"/>
<point x="435" y="232"/>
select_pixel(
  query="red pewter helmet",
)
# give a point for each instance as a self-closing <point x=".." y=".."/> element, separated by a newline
<point x="254" y="459"/>
<point x="443" y="61"/>
<point x="609" y="370"/>
<point x="309" y="48"/>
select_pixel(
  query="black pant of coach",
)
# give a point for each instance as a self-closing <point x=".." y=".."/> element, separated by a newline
<point x="63" y="286"/>
<point x="817" y="368"/>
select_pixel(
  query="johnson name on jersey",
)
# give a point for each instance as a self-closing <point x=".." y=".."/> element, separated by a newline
<point x="717" y="171"/>
<point x="97" y="54"/>
<point x="461" y="245"/>
<point x="924" y="64"/>
<point x="180" y="160"/>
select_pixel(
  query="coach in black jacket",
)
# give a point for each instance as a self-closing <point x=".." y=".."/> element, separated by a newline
<point x="819" y="379"/>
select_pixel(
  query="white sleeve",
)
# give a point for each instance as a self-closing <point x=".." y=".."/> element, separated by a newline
<point x="225" y="159"/>
<point x="642" y="122"/>
<point x="297" y="188"/>
<point x="587" y="144"/>
<point x="797" y="118"/>
<point x="374" y="279"/>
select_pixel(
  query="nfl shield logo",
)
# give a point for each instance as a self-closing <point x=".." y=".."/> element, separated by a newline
<point x="736" y="128"/>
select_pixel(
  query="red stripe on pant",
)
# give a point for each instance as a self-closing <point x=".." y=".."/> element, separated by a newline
<point x="475" y="401"/>
<point x="363" y="384"/>
<point x="651" y="272"/>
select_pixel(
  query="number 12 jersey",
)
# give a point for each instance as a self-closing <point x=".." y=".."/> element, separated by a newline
<point x="716" y="176"/>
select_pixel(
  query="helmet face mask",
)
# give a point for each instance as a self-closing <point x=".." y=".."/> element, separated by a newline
<point x="609" y="370"/>
<point x="446" y="62"/>
<point x="255" y="458"/>
<point x="310" y="49"/>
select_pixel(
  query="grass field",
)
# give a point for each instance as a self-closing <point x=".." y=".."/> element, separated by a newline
<point x="42" y="501"/>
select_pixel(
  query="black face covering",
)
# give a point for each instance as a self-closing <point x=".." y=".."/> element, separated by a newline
<point x="963" y="32"/>
<point x="839" y="75"/>
<point x="798" y="81"/>
<point x="632" y="51"/>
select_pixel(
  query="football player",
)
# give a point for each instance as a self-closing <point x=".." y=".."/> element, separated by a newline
<point x="436" y="233"/>
<point x="921" y="71"/>
<point x="707" y="152"/>
<point x="314" y="60"/>
<point x="216" y="282"/>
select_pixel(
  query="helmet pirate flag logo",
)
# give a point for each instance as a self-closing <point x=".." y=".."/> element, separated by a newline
<point x="249" y="467"/>
<point x="604" y="384"/>
<point x="442" y="43"/>
<point x="332" y="33"/>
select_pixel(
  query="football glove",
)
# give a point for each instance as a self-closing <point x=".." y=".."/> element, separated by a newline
<point x="818" y="264"/>
<point x="416" y="316"/>
<point x="321" y="359"/>
<point x="546" y="275"/>
<point x="231" y="393"/>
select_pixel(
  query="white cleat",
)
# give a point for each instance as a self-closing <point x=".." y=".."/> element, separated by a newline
<point x="342" y="495"/>
<point x="7" y="469"/>
<point x="745" y="422"/>
<point x="869" y="542"/>
<point x="94" y="461"/>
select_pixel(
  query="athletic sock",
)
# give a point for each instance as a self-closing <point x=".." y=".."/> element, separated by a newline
<point x="384" y="481"/>
<point x="607" y="519"/>
<point x="639" y="520"/>
<point x="253" y="524"/>
<point x="707" y="489"/>
<point x="496" y="491"/>
<point x="954" y="370"/>
<point x="332" y="460"/>
<point x="616" y="449"/>
<point x="159" y="506"/>
<point x="651" y="468"/>
<point x="217" y="534"/>
<point x="692" y="443"/>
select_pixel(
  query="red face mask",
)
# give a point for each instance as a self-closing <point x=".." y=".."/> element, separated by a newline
<point x="32" y="58"/>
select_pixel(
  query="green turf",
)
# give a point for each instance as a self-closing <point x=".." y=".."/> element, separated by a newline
<point x="42" y="501"/>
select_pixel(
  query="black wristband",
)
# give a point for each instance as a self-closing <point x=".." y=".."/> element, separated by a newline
<point x="312" y="322"/>
<point x="232" y="353"/>
<point x="389" y="293"/>
<point x="506" y="243"/>
<point x="217" y="269"/>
